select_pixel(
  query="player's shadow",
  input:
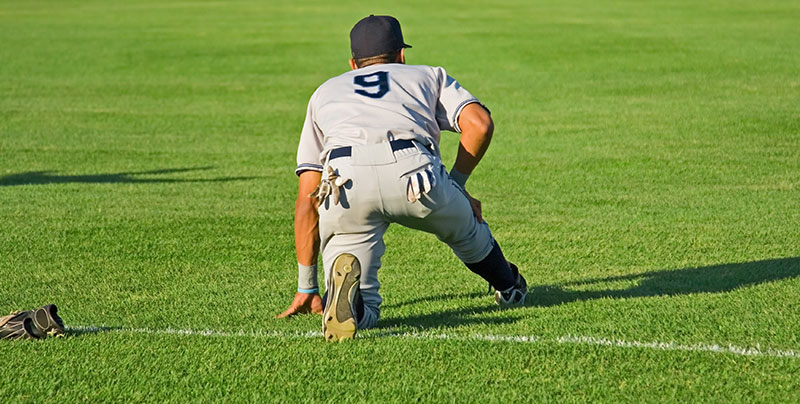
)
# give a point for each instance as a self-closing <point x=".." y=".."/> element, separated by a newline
<point x="710" y="279"/>
<point x="674" y="282"/>
<point x="151" y="176"/>
<point x="442" y="297"/>
<point x="452" y="318"/>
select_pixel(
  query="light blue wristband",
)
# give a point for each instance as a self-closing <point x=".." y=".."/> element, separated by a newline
<point x="307" y="278"/>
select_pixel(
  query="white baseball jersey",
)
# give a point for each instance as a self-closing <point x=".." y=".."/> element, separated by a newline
<point x="380" y="103"/>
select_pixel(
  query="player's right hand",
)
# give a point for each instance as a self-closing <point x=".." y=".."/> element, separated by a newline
<point x="303" y="303"/>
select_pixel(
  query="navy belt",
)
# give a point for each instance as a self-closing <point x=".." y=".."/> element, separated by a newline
<point x="396" y="145"/>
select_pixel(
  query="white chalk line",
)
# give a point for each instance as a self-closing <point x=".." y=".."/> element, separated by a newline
<point x="525" y="339"/>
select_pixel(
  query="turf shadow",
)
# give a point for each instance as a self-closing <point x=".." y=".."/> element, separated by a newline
<point x="710" y="279"/>
<point x="435" y="298"/>
<point x="51" y="177"/>
<point x="453" y="318"/>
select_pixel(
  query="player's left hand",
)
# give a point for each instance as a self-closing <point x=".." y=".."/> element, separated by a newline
<point x="476" y="207"/>
<point x="303" y="303"/>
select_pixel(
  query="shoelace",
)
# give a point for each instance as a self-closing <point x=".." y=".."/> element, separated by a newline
<point x="55" y="333"/>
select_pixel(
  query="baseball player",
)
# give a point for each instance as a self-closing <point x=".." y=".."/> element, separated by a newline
<point x="369" y="156"/>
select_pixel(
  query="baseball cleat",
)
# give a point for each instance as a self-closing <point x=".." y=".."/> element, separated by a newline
<point x="515" y="295"/>
<point x="339" y="316"/>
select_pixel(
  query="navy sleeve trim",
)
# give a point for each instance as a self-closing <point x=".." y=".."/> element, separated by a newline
<point x="307" y="167"/>
<point x="458" y="112"/>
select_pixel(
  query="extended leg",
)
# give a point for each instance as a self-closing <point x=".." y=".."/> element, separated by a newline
<point x="495" y="269"/>
<point x="446" y="212"/>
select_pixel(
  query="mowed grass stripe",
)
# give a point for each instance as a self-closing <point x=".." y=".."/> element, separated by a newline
<point x="644" y="174"/>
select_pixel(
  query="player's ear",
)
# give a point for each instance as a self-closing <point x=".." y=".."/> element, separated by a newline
<point x="402" y="56"/>
<point x="353" y="64"/>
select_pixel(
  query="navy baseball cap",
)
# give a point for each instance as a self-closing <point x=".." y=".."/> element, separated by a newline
<point x="376" y="35"/>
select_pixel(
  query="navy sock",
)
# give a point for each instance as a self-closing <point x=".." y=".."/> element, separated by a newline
<point x="495" y="269"/>
<point x="359" y="308"/>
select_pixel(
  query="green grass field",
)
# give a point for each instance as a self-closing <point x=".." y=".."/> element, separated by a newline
<point x="645" y="175"/>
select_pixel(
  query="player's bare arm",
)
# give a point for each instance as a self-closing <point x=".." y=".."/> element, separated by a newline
<point x="306" y="219"/>
<point x="306" y="239"/>
<point x="477" y="128"/>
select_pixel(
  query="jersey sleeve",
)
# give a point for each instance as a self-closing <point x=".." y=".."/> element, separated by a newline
<point x="311" y="142"/>
<point x="452" y="99"/>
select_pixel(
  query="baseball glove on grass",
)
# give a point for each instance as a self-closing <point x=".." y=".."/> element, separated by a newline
<point x="17" y="325"/>
<point x="32" y="324"/>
